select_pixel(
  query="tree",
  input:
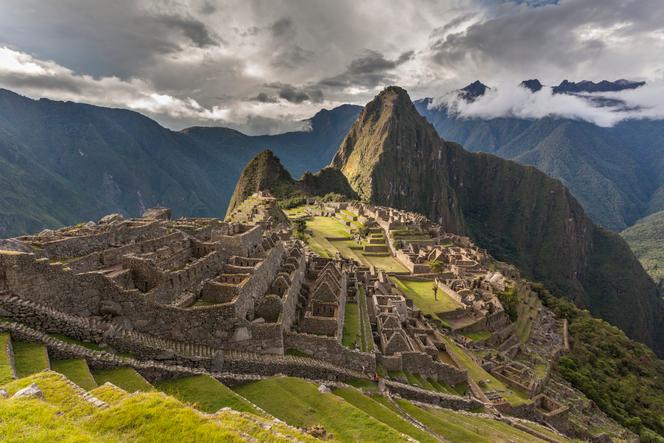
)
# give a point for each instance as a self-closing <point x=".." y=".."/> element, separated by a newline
<point x="437" y="268"/>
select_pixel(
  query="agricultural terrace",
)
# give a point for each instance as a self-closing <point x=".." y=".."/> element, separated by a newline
<point x="421" y="293"/>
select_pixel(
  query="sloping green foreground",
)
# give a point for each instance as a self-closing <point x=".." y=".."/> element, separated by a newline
<point x="65" y="416"/>
<point x="300" y="404"/>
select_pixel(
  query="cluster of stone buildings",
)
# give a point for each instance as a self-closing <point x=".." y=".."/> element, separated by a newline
<point x="231" y="296"/>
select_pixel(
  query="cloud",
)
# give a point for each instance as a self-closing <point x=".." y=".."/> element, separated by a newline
<point x="369" y="70"/>
<point x="510" y="100"/>
<point x="221" y="54"/>
<point x="193" y="29"/>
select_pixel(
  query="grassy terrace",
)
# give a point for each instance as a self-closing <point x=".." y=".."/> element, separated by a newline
<point x="478" y="374"/>
<point x="64" y="415"/>
<point x="456" y="426"/>
<point x="125" y="378"/>
<point x="422" y="295"/>
<point x="5" y="368"/>
<point x="382" y="413"/>
<point x="29" y="358"/>
<point x="351" y="331"/>
<point x="299" y="403"/>
<point x="365" y="326"/>
<point x="205" y="393"/>
<point x="77" y="371"/>
<point x="322" y="228"/>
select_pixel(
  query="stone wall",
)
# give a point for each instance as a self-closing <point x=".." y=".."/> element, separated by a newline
<point x="329" y="349"/>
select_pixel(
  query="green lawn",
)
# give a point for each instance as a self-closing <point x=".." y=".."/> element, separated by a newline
<point x="382" y="413"/>
<point x="298" y="403"/>
<point x="351" y="330"/>
<point x="29" y="358"/>
<point x="387" y="263"/>
<point x="5" y="367"/>
<point x="75" y="370"/>
<point x="466" y="427"/>
<point x="422" y="295"/>
<point x="205" y="393"/>
<point x="125" y="378"/>
<point x="477" y="373"/>
<point x="367" y="343"/>
<point x="477" y="336"/>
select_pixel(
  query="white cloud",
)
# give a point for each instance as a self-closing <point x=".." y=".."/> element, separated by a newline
<point x="510" y="100"/>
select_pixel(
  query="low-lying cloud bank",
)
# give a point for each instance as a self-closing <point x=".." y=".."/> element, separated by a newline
<point x="604" y="109"/>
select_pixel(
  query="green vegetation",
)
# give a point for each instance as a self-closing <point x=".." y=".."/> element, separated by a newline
<point x="29" y="358"/>
<point x="5" y="364"/>
<point x="477" y="336"/>
<point x="125" y="378"/>
<point x="205" y="393"/>
<point x="382" y="413"/>
<point x="510" y="301"/>
<point x="75" y="370"/>
<point x="456" y="426"/>
<point x="646" y="238"/>
<point x="367" y="343"/>
<point x="485" y="380"/>
<point x="622" y="376"/>
<point x="351" y="328"/>
<point x="292" y="202"/>
<point x="64" y="415"/>
<point x="298" y="403"/>
<point x="421" y="293"/>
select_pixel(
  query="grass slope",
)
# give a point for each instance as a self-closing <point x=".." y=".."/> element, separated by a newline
<point x="382" y="413"/>
<point x="205" y="393"/>
<point x="149" y="417"/>
<point x="29" y="358"/>
<point x="75" y="370"/>
<point x="299" y="403"/>
<point x="646" y="238"/>
<point x="125" y="378"/>
<point x="468" y="428"/>
<point x="5" y="363"/>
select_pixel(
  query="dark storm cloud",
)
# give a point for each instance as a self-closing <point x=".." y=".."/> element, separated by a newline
<point x="563" y="35"/>
<point x="297" y="95"/>
<point x="368" y="70"/>
<point x="282" y="27"/>
<point x="193" y="29"/>
<point x="264" y="97"/>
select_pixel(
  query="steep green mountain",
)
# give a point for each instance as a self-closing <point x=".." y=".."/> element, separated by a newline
<point x="615" y="173"/>
<point x="265" y="172"/>
<point x="61" y="162"/>
<point x="646" y="238"/>
<point x="392" y="156"/>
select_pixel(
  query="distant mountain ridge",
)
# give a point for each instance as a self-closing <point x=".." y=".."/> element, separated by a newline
<point x="61" y="162"/>
<point x="617" y="173"/>
<point x="393" y="157"/>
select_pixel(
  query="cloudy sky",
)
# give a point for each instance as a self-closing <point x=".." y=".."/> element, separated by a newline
<point x="262" y="66"/>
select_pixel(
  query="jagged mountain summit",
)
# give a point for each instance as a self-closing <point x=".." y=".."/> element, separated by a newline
<point x="392" y="156"/>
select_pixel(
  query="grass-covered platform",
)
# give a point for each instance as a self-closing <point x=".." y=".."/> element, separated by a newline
<point x="205" y="393"/>
<point x="421" y="292"/>
<point x="125" y="378"/>
<point x="299" y="403"/>
<point x="29" y="358"/>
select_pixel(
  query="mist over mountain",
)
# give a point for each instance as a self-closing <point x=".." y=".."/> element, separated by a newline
<point x="614" y="171"/>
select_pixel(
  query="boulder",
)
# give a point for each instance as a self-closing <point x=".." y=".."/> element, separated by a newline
<point x="324" y="389"/>
<point x="158" y="214"/>
<point x="31" y="391"/>
<point x="111" y="218"/>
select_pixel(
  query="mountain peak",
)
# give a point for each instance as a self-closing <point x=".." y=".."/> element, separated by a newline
<point x="473" y="91"/>
<point x="568" y="87"/>
<point x="264" y="172"/>
<point x="533" y="84"/>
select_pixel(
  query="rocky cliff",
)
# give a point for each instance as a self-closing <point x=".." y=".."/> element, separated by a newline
<point x="392" y="156"/>
<point x="266" y="172"/>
